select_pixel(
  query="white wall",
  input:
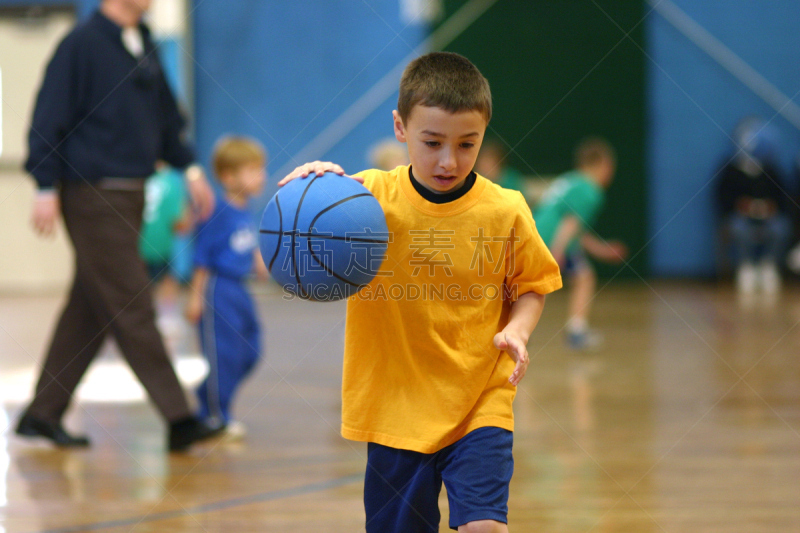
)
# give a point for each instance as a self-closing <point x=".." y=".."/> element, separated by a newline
<point x="27" y="263"/>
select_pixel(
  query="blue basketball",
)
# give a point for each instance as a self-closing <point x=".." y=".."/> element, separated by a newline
<point x="323" y="237"/>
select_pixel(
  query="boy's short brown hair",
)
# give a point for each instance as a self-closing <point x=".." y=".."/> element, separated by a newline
<point x="445" y="80"/>
<point x="232" y="153"/>
<point x="593" y="150"/>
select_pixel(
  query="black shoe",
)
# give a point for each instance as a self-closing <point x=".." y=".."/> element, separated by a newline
<point x="30" y="426"/>
<point x="187" y="431"/>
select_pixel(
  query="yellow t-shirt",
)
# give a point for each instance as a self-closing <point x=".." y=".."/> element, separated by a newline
<point x="420" y="366"/>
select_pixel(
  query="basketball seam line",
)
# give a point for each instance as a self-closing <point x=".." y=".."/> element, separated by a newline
<point x="338" y="203"/>
<point x="314" y="255"/>
<point x="328" y="269"/>
<point x="303" y="293"/>
<point x="323" y="236"/>
<point x="280" y="228"/>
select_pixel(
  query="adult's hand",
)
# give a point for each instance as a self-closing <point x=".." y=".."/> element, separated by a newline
<point x="46" y="207"/>
<point x="200" y="191"/>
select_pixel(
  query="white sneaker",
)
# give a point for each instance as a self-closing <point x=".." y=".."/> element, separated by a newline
<point x="770" y="278"/>
<point x="746" y="279"/>
<point x="585" y="340"/>
<point x="235" y="430"/>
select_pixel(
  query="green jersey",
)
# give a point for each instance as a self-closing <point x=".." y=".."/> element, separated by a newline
<point x="511" y="179"/>
<point x="165" y="200"/>
<point x="573" y="193"/>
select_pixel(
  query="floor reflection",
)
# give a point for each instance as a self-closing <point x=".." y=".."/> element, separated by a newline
<point x="687" y="419"/>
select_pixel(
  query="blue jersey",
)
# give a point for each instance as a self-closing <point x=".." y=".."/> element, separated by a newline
<point x="226" y="241"/>
<point x="229" y="329"/>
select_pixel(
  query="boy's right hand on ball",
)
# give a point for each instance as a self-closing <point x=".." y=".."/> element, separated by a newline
<point x="315" y="167"/>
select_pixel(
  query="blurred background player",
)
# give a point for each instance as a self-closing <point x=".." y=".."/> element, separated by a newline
<point x="492" y="164"/>
<point x="226" y="253"/>
<point x="167" y="217"/>
<point x="754" y="208"/>
<point x="567" y="210"/>
<point x="388" y="155"/>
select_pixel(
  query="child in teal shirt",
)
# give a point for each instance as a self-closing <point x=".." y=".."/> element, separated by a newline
<point x="165" y="214"/>
<point x="568" y="208"/>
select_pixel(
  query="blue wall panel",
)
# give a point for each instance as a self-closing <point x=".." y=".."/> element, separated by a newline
<point x="694" y="104"/>
<point x="282" y="71"/>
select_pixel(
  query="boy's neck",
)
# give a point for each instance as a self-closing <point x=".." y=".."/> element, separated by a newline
<point x="442" y="197"/>
<point x="593" y="173"/>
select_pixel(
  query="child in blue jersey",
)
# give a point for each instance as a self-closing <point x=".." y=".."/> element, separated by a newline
<point x="226" y="253"/>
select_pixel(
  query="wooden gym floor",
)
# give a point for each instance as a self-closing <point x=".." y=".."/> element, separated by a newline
<point x="687" y="420"/>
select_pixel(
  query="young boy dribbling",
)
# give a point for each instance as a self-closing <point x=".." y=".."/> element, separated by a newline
<point x="436" y="344"/>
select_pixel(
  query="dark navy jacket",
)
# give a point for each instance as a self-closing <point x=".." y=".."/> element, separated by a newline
<point x="103" y="113"/>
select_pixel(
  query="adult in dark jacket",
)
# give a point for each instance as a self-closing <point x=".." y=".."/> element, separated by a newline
<point x="103" y="117"/>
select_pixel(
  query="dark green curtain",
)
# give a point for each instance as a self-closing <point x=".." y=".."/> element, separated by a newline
<point x="560" y="71"/>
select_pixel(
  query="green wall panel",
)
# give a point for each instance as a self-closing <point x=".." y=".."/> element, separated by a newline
<point x="560" y="71"/>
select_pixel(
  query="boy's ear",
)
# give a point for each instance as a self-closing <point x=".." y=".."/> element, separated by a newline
<point x="224" y="176"/>
<point x="399" y="127"/>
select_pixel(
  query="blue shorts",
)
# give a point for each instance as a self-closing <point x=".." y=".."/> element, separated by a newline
<point x="575" y="262"/>
<point x="401" y="487"/>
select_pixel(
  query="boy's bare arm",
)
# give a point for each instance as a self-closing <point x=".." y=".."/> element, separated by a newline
<point x="200" y="191"/>
<point x="194" y="302"/>
<point x="608" y="251"/>
<point x="261" y="270"/>
<point x="567" y="230"/>
<point x="185" y="222"/>
<point x="525" y="314"/>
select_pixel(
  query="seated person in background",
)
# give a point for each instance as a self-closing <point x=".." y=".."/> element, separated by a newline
<point x="753" y="205"/>
<point x="793" y="257"/>
<point x="567" y="210"/>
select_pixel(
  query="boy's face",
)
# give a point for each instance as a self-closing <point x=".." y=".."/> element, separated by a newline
<point x="442" y="146"/>
<point x="607" y="169"/>
<point x="247" y="180"/>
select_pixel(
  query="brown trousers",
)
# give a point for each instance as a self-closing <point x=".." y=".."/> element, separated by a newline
<point x="110" y="294"/>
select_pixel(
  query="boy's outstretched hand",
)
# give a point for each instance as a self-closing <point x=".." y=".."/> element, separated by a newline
<point x="315" y="167"/>
<point x="517" y="350"/>
<point x="607" y="251"/>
